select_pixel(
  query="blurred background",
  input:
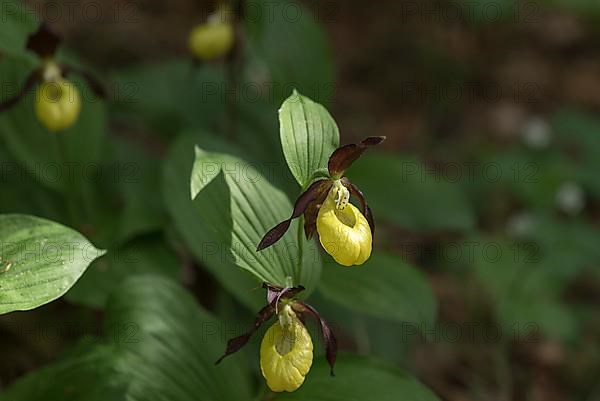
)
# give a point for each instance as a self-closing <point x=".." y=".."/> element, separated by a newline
<point x="485" y="192"/>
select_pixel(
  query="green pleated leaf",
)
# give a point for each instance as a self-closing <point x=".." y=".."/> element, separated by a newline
<point x="87" y="375"/>
<point x="62" y="166"/>
<point x="293" y="49"/>
<point x="526" y="284"/>
<point x="167" y="345"/>
<point x="385" y="287"/>
<point x="359" y="379"/>
<point x="18" y="21"/>
<point x="402" y="191"/>
<point x="309" y="135"/>
<point x="239" y="206"/>
<point x="198" y="237"/>
<point x="142" y="256"/>
<point x="39" y="261"/>
<point x="159" y="345"/>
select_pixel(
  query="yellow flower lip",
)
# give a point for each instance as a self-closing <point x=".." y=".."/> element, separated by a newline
<point x="286" y="353"/>
<point x="213" y="39"/>
<point x="57" y="104"/>
<point x="350" y="245"/>
<point x="344" y="232"/>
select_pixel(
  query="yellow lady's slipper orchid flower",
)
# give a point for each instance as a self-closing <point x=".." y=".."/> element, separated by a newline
<point x="215" y="38"/>
<point x="343" y="230"/>
<point x="286" y="353"/>
<point x="57" y="104"/>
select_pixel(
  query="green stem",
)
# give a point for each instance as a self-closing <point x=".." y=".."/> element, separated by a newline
<point x="300" y="246"/>
<point x="67" y="192"/>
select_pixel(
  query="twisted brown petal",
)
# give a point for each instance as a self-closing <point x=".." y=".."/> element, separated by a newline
<point x="328" y="336"/>
<point x="30" y="82"/>
<point x="235" y="344"/>
<point x="364" y="208"/>
<point x="344" y="156"/>
<point x="300" y="206"/>
<point x="94" y="83"/>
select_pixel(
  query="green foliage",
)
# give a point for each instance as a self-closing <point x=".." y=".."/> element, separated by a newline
<point x="40" y="261"/>
<point x="385" y="287"/>
<point x="60" y="161"/>
<point x="198" y="237"/>
<point x="159" y="345"/>
<point x="309" y="135"/>
<point x="239" y="205"/>
<point x="293" y="49"/>
<point x="402" y="191"/>
<point x="361" y="379"/>
<point x="143" y="256"/>
<point x="17" y="23"/>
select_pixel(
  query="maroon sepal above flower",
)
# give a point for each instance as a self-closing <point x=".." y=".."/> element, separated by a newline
<point x="344" y="156"/>
<point x="43" y="42"/>
<point x="309" y="202"/>
<point x="275" y="294"/>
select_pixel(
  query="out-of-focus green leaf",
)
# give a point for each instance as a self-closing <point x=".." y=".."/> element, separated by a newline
<point x="137" y="177"/>
<point x="171" y="95"/>
<point x="359" y="379"/>
<point x="160" y="346"/>
<point x="293" y="50"/>
<point x="38" y="149"/>
<point x="239" y="206"/>
<point x="87" y="376"/>
<point x="403" y="192"/>
<point x="525" y="288"/>
<point x="385" y="287"/>
<point x="576" y="132"/>
<point x="143" y="256"/>
<point x="199" y="237"/>
<point x="39" y="261"/>
<point x="167" y="345"/>
<point x="18" y="21"/>
<point x="26" y="196"/>
<point x="309" y="135"/>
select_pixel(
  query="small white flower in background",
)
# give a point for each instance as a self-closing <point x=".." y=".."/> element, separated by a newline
<point x="570" y="198"/>
<point x="520" y="225"/>
<point x="536" y="133"/>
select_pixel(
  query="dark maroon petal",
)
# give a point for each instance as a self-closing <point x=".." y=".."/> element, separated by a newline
<point x="328" y="336"/>
<point x="364" y="208"/>
<point x="312" y="212"/>
<point x="300" y="206"/>
<point x="345" y="155"/>
<point x="94" y="83"/>
<point x="275" y="293"/>
<point x="30" y="82"/>
<point x="235" y="344"/>
<point x="43" y="42"/>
